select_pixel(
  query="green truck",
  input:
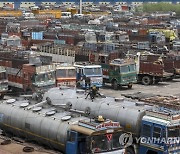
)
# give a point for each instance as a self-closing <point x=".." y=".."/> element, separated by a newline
<point x="118" y="72"/>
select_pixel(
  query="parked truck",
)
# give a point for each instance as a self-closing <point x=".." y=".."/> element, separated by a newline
<point x="27" y="71"/>
<point x="3" y="82"/>
<point x="65" y="131"/>
<point x="175" y="58"/>
<point x="150" y="129"/>
<point x="152" y="68"/>
<point x="88" y="70"/>
<point x="65" y="75"/>
<point x="118" y="72"/>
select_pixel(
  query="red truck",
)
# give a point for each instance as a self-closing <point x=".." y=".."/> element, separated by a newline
<point x="26" y="72"/>
<point x="176" y="63"/>
<point x="153" y="68"/>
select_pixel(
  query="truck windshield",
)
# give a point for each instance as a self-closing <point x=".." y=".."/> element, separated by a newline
<point x="65" y="73"/>
<point x="124" y="69"/>
<point x="127" y="68"/>
<point x="132" y="67"/>
<point x="103" y="143"/>
<point x="71" y="73"/>
<point x="61" y="73"/>
<point x="173" y="132"/>
<point x="45" y="77"/>
<point x="93" y="71"/>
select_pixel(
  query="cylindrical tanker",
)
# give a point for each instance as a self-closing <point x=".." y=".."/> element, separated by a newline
<point x="128" y="113"/>
<point x="30" y="124"/>
<point x="65" y="131"/>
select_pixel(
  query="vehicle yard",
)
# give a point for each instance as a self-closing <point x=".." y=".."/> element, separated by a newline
<point x="75" y="78"/>
<point x="170" y="88"/>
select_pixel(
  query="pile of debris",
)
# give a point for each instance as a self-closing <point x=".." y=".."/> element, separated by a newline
<point x="172" y="102"/>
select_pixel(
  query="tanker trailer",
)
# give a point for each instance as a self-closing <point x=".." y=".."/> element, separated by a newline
<point x="143" y="121"/>
<point x="65" y="131"/>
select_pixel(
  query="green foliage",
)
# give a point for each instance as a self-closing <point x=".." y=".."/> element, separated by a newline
<point x="164" y="7"/>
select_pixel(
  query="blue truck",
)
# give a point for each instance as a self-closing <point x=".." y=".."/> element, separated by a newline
<point x="87" y="70"/>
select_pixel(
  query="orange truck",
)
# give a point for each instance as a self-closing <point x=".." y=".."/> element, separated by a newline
<point x="65" y="75"/>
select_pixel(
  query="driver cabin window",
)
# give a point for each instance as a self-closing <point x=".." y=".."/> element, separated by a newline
<point x="72" y="136"/>
<point x="157" y="132"/>
<point x="146" y="130"/>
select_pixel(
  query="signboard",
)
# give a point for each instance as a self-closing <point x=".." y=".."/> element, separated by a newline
<point x="108" y="124"/>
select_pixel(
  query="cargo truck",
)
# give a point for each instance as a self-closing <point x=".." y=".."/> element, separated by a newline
<point x="27" y="71"/>
<point x="118" y="72"/>
<point x="152" y="68"/>
<point x="87" y="70"/>
<point x="65" y="75"/>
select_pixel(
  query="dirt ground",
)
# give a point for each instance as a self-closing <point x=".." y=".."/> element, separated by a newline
<point x="17" y="148"/>
<point x="162" y="88"/>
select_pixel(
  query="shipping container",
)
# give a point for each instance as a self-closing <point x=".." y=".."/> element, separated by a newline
<point x="37" y="35"/>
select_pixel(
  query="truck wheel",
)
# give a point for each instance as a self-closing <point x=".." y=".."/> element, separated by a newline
<point x="129" y="86"/>
<point x="157" y="81"/>
<point x="115" y="85"/>
<point x="78" y="85"/>
<point x="1" y="96"/>
<point x="146" y="80"/>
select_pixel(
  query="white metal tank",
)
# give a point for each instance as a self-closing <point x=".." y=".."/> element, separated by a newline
<point x="128" y="113"/>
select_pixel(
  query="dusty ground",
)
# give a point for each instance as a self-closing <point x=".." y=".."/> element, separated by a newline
<point x="162" y="88"/>
<point x="17" y="148"/>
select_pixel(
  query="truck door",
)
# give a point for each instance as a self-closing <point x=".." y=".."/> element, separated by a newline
<point x="72" y="143"/>
<point x="151" y="135"/>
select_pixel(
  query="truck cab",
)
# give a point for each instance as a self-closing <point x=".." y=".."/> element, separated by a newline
<point x="65" y="75"/>
<point x="3" y="82"/>
<point x="93" y="137"/>
<point x="118" y="72"/>
<point x="85" y="69"/>
<point x="42" y="78"/>
<point x="160" y="133"/>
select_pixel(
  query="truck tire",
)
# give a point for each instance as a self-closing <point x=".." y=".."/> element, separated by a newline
<point x="146" y="80"/>
<point x="78" y="85"/>
<point x="129" y="86"/>
<point x="1" y="96"/>
<point x="115" y="85"/>
<point x="157" y="81"/>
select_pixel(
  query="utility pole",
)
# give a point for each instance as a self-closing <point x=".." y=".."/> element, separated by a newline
<point x="80" y="6"/>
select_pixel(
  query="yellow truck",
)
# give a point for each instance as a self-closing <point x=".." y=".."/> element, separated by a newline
<point x="55" y="13"/>
<point x="169" y="34"/>
<point x="10" y="13"/>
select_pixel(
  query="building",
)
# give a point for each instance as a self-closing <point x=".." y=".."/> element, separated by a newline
<point x="31" y="3"/>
